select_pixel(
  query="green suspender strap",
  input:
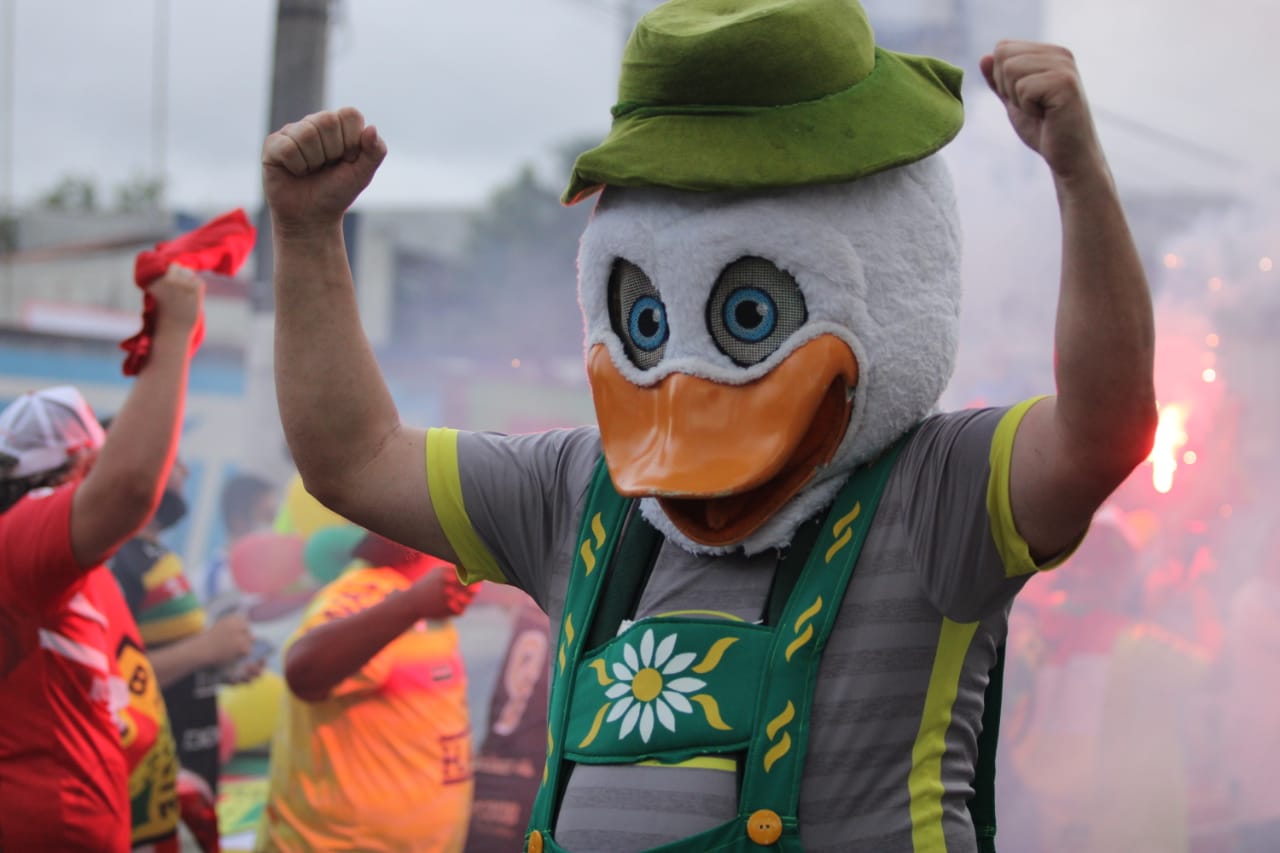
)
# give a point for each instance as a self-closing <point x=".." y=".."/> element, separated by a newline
<point x="668" y="689"/>
<point x="982" y="805"/>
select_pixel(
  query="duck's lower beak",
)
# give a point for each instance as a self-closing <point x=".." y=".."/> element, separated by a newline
<point x="721" y="459"/>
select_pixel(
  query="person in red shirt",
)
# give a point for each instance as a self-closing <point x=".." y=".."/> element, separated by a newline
<point x="79" y="710"/>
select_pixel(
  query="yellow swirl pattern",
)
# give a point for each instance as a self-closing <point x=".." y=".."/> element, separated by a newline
<point x="588" y="553"/>
<point x="809" y="613"/>
<point x="844" y="535"/>
<point x="807" y="634"/>
<point x="603" y="677"/>
<point x="783" y="746"/>
<point x="845" y="539"/>
<point x="712" y="710"/>
<point x="568" y="638"/>
<point x="595" y="726"/>
<point x="714" y="654"/>
<point x="546" y="765"/>
<point x="788" y="714"/>
<point x="776" y="751"/>
<point x="798" y="642"/>
<point x="846" y="520"/>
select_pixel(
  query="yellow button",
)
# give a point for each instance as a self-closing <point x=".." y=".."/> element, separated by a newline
<point x="535" y="842"/>
<point x="764" y="827"/>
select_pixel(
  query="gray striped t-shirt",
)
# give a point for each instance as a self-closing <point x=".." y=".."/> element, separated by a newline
<point x="898" y="706"/>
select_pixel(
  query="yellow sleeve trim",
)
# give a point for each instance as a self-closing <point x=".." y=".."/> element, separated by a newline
<point x="1014" y="552"/>
<point x="444" y="483"/>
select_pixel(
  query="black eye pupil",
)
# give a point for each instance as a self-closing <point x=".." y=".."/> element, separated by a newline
<point x="753" y="308"/>
<point x="749" y="314"/>
<point x="648" y="322"/>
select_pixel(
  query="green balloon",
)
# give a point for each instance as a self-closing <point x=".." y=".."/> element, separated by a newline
<point x="328" y="551"/>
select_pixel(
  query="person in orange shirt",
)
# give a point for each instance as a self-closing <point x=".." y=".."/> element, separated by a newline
<point x="374" y="749"/>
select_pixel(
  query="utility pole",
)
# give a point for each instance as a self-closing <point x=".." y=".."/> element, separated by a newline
<point x="160" y="98"/>
<point x="297" y="88"/>
<point x="8" y="212"/>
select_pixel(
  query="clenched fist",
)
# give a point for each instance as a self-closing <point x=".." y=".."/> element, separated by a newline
<point x="440" y="594"/>
<point x="313" y="169"/>
<point x="1041" y="90"/>
<point x="179" y="300"/>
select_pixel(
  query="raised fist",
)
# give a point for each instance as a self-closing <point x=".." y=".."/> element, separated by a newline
<point x="1042" y="93"/>
<point x="179" y="299"/>
<point x="313" y="169"/>
<point x="440" y="594"/>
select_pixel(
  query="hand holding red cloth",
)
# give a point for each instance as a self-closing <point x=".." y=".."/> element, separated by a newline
<point x="221" y="245"/>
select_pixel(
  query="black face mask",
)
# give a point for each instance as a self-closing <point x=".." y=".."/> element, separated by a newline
<point x="172" y="509"/>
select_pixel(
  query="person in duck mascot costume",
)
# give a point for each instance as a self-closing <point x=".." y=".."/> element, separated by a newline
<point x="778" y="578"/>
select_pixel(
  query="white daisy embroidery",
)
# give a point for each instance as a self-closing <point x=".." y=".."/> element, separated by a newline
<point x="645" y="689"/>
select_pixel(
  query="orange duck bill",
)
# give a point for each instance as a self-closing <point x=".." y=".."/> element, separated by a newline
<point x="721" y="459"/>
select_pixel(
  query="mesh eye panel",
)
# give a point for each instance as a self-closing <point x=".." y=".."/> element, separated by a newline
<point x="754" y="308"/>
<point x="637" y="314"/>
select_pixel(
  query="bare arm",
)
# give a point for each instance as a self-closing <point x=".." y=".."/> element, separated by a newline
<point x="1073" y="450"/>
<point x="324" y="656"/>
<point x="226" y="640"/>
<point x="124" y="486"/>
<point x="175" y="661"/>
<point x="343" y="429"/>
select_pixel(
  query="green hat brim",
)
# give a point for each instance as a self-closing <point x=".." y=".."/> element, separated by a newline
<point x="907" y="108"/>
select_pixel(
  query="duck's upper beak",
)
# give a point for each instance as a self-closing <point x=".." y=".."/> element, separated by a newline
<point x="721" y="459"/>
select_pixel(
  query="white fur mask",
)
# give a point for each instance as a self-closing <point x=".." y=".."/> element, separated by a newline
<point x="878" y="263"/>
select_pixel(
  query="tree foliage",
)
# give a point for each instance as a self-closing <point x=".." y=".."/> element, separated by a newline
<point x="140" y="193"/>
<point x="72" y="193"/>
<point x="79" y="193"/>
<point x="517" y="282"/>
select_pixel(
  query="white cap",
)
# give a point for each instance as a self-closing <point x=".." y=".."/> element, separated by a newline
<point x="41" y="430"/>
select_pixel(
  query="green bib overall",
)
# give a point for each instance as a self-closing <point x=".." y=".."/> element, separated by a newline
<point x="671" y="688"/>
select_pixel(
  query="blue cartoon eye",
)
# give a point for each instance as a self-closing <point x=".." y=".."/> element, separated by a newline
<point x="750" y="315"/>
<point x="637" y="314"/>
<point x="648" y="323"/>
<point x="754" y="307"/>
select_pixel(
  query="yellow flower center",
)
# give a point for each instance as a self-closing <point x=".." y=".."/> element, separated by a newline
<point x="647" y="684"/>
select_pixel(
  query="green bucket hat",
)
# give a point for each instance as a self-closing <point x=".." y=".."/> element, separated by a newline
<point x="746" y="94"/>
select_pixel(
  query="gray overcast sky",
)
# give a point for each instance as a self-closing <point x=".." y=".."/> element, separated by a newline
<point x="465" y="92"/>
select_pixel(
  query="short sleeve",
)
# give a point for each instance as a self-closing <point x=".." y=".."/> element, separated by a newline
<point x="509" y="503"/>
<point x="955" y="471"/>
<point x="343" y="598"/>
<point x="37" y="566"/>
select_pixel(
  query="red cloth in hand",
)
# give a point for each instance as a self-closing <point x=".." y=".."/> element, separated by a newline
<point x="220" y="245"/>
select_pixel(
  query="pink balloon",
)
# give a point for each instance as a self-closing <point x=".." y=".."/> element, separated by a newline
<point x="265" y="563"/>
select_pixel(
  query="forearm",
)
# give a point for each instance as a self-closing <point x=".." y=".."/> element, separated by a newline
<point x="124" y="485"/>
<point x="174" y="661"/>
<point x="1105" y="337"/>
<point x="335" y="407"/>
<point x="324" y="656"/>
